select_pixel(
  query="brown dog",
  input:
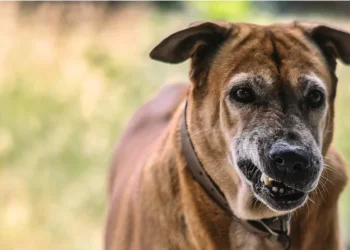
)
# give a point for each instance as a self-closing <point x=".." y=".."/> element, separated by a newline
<point x="257" y="124"/>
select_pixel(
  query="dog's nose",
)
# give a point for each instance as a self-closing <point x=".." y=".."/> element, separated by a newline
<point x="288" y="158"/>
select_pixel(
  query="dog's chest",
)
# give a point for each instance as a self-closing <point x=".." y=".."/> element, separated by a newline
<point x="240" y="239"/>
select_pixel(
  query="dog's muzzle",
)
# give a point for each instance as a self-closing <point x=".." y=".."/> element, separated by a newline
<point x="292" y="165"/>
<point x="285" y="175"/>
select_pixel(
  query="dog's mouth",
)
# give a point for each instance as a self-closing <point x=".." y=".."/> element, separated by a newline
<point x="276" y="194"/>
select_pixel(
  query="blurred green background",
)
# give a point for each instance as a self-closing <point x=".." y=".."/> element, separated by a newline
<point x="71" y="75"/>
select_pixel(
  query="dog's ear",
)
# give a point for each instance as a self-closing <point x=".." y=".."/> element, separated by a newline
<point x="199" y="42"/>
<point x="333" y="42"/>
<point x="187" y="43"/>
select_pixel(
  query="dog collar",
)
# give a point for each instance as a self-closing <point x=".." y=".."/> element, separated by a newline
<point x="276" y="228"/>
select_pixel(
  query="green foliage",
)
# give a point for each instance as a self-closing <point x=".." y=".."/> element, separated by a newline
<point x="231" y="11"/>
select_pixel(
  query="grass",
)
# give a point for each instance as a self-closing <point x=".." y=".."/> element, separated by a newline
<point x="70" y="77"/>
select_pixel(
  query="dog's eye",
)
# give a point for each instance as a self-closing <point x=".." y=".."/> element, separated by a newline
<point x="315" y="98"/>
<point x="244" y="95"/>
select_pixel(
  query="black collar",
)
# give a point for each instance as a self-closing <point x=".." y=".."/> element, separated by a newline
<point x="276" y="228"/>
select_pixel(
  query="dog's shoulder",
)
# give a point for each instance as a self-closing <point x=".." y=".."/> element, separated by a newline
<point x="144" y="127"/>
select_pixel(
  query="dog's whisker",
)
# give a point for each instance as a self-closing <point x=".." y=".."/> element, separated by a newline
<point x="321" y="192"/>
<point x="332" y="169"/>
<point x="330" y="166"/>
<point x="326" y="179"/>
<point x="308" y="210"/>
<point x="311" y="201"/>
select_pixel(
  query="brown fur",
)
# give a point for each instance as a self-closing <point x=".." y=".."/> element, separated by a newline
<point x="153" y="201"/>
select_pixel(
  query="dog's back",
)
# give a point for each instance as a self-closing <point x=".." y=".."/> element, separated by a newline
<point x="146" y="125"/>
<point x="143" y="129"/>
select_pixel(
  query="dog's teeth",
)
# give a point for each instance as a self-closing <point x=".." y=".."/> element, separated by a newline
<point x="274" y="189"/>
<point x="281" y="190"/>
<point x="270" y="179"/>
<point x="264" y="178"/>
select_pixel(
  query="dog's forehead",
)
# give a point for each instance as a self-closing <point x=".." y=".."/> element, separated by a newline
<point x="278" y="52"/>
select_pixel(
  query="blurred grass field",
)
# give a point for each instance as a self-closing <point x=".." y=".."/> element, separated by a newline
<point x="70" y="77"/>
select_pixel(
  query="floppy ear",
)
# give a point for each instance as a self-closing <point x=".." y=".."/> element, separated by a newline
<point x="333" y="42"/>
<point x="184" y="44"/>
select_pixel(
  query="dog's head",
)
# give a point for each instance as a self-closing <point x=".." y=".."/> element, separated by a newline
<point x="261" y="107"/>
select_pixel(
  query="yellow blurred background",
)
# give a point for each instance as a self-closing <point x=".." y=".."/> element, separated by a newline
<point x="71" y="74"/>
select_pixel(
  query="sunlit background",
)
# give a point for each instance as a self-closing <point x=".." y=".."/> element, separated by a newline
<point x="71" y="75"/>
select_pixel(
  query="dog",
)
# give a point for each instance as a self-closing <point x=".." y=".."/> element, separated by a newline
<point x="241" y="158"/>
